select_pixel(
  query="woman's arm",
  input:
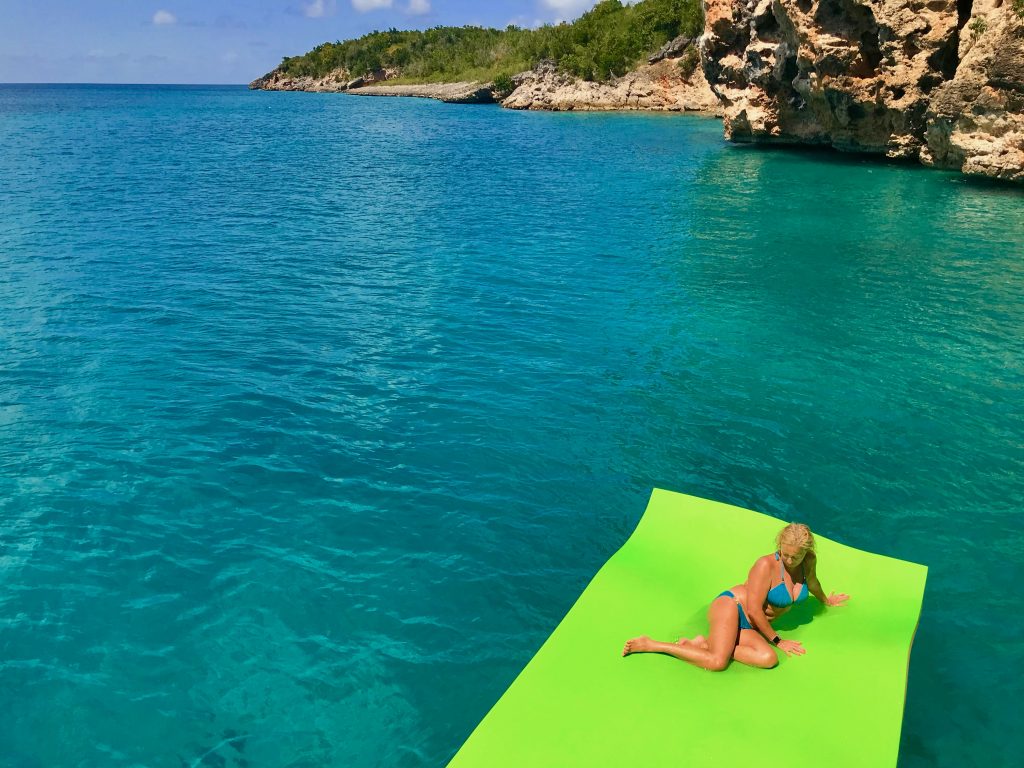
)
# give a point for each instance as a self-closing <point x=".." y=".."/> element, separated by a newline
<point x="757" y="591"/>
<point x="814" y="586"/>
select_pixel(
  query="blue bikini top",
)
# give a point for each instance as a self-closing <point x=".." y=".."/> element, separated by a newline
<point x="779" y="596"/>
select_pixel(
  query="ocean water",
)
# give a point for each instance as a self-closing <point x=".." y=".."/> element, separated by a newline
<point x="317" y="412"/>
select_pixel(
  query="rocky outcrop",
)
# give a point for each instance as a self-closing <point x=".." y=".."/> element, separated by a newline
<point x="660" y="87"/>
<point x="452" y="93"/>
<point x="335" y="81"/>
<point x="853" y="74"/>
<point x="672" y="49"/>
<point x="975" y="122"/>
<point x="912" y="79"/>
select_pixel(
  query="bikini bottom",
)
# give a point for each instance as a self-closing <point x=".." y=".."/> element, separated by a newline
<point x="744" y="624"/>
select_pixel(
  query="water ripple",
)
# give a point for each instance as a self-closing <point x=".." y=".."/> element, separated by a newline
<point x="316" y="413"/>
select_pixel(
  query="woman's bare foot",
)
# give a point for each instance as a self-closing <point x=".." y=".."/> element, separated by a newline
<point x="640" y="644"/>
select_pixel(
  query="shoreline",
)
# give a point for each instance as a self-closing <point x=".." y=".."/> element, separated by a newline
<point x="658" y="86"/>
<point x="449" y="93"/>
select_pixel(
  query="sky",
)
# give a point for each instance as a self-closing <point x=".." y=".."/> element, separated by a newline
<point x="216" y="41"/>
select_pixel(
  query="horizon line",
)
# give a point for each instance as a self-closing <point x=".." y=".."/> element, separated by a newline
<point x="84" y="82"/>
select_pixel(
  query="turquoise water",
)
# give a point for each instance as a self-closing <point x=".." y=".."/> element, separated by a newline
<point x="317" y="413"/>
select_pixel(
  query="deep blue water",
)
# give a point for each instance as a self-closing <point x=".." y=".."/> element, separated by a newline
<point x="317" y="413"/>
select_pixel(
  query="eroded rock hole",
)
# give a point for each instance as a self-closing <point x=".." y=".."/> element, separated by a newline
<point x="946" y="57"/>
<point x="963" y="12"/>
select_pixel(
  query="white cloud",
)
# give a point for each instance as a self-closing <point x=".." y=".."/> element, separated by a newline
<point x="317" y="9"/>
<point x="418" y="7"/>
<point x="370" y="5"/>
<point x="569" y="6"/>
<point x="571" y="9"/>
<point x="163" y="18"/>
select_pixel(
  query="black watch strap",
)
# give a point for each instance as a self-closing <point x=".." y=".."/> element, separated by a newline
<point x="776" y="640"/>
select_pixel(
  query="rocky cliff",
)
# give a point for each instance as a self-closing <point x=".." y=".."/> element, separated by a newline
<point x="937" y="81"/>
<point x="658" y="87"/>
<point x="335" y="81"/>
<point x="975" y="121"/>
<point x="671" y="81"/>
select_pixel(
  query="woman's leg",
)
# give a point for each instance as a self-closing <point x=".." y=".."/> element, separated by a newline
<point x="754" y="650"/>
<point x="724" y="621"/>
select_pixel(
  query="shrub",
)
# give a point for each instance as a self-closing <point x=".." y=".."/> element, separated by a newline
<point x="503" y="85"/>
<point x="691" y="60"/>
<point x="977" y="27"/>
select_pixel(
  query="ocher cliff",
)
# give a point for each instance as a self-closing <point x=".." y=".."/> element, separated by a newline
<point x="975" y="122"/>
<point x="912" y="79"/>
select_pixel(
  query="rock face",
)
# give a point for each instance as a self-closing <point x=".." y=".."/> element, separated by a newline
<point x="907" y="78"/>
<point x="660" y="87"/>
<point x="671" y="49"/>
<point x="333" y="82"/>
<point x="975" y="122"/>
<point x="452" y="93"/>
<point x="336" y="80"/>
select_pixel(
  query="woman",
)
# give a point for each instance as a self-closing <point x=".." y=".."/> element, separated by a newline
<point x="740" y="618"/>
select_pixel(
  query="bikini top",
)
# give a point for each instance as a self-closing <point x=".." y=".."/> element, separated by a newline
<point x="779" y="595"/>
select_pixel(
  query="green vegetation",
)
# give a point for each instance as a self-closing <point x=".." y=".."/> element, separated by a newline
<point x="1018" y="7"/>
<point x="503" y="85"/>
<point x="689" y="61"/>
<point x="607" y="41"/>
<point x="977" y="27"/>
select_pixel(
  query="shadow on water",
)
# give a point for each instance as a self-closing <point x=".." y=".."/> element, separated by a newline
<point x="836" y="158"/>
<point x="823" y="153"/>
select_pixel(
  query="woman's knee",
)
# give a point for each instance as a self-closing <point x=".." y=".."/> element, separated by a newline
<point x="717" y="663"/>
<point x="767" y="659"/>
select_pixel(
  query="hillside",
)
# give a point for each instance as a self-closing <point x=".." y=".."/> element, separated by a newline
<point x="606" y="42"/>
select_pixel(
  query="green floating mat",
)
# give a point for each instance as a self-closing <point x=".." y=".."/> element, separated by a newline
<point x="578" y="702"/>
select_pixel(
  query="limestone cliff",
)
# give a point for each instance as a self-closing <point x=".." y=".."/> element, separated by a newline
<point x="659" y="87"/>
<point x="335" y="81"/>
<point x="914" y="79"/>
<point x="975" y="121"/>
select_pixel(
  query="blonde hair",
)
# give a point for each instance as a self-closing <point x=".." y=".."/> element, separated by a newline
<point x="797" y="534"/>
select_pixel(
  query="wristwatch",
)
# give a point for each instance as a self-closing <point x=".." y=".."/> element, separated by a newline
<point x="776" y="640"/>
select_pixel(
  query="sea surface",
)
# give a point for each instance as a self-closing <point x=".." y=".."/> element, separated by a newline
<point x="317" y="413"/>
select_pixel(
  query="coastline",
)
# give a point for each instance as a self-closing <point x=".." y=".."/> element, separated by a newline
<point x="891" y="85"/>
<point x="450" y="93"/>
<point x="658" y="86"/>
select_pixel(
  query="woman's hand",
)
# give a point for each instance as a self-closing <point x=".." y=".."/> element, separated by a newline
<point x="792" y="647"/>
<point x="836" y="599"/>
